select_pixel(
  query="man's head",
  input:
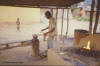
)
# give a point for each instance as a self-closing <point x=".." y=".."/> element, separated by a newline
<point x="48" y="14"/>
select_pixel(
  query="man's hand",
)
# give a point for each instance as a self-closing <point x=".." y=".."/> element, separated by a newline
<point x="42" y="29"/>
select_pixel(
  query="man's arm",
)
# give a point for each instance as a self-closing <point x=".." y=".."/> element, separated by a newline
<point x="45" y="34"/>
<point x="44" y="28"/>
<point x="50" y="30"/>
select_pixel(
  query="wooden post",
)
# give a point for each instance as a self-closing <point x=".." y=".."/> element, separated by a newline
<point x="97" y="17"/>
<point x="62" y="24"/>
<point x="56" y="46"/>
<point x="67" y="22"/>
<point x="52" y="11"/>
<point x="35" y="46"/>
<point x="56" y="13"/>
<point x="56" y="23"/>
<point x="91" y="16"/>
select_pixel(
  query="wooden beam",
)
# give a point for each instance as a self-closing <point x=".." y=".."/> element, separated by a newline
<point x="62" y="24"/>
<point x="39" y="3"/>
<point x="91" y="16"/>
<point x="97" y="16"/>
<point x="10" y="43"/>
<point x="67" y="22"/>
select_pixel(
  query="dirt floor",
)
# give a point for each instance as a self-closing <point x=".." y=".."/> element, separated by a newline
<point x="23" y="55"/>
<point x="20" y="56"/>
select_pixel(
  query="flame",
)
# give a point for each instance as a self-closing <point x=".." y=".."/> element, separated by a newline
<point x="88" y="46"/>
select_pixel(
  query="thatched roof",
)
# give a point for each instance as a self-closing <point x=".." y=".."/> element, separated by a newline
<point x="39" y="3"/>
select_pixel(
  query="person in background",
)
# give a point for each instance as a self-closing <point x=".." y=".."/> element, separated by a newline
<point x="18" y="24"/>
<point x="51" y="29"/>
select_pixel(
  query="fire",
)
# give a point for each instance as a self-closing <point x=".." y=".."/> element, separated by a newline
<point x="88" y="46"/>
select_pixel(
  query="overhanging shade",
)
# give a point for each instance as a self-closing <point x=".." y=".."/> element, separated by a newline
<point x="39" y="3"/>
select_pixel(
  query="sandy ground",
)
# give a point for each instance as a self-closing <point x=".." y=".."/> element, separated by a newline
<point x="9" y="33"/>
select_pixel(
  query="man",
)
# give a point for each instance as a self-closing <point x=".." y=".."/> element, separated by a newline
<point x="51" y="30"/>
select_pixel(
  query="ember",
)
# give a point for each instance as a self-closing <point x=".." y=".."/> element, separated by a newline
<point x="88" y="46"/>
<point x="84" y="52"/>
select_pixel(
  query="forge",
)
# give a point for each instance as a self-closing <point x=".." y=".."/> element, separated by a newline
<point x="86" y="53"/>
<point x="74" y="56"/>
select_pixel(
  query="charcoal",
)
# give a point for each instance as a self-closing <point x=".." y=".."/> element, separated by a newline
<point x="84" y="52"/>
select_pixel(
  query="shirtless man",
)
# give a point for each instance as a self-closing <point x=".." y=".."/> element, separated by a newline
<point x="51" y="29"/>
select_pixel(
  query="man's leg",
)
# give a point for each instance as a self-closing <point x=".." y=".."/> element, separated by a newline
<point x="50" y="43"/>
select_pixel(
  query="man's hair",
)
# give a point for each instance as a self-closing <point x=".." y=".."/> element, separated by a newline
<point x="48" y="14"/>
